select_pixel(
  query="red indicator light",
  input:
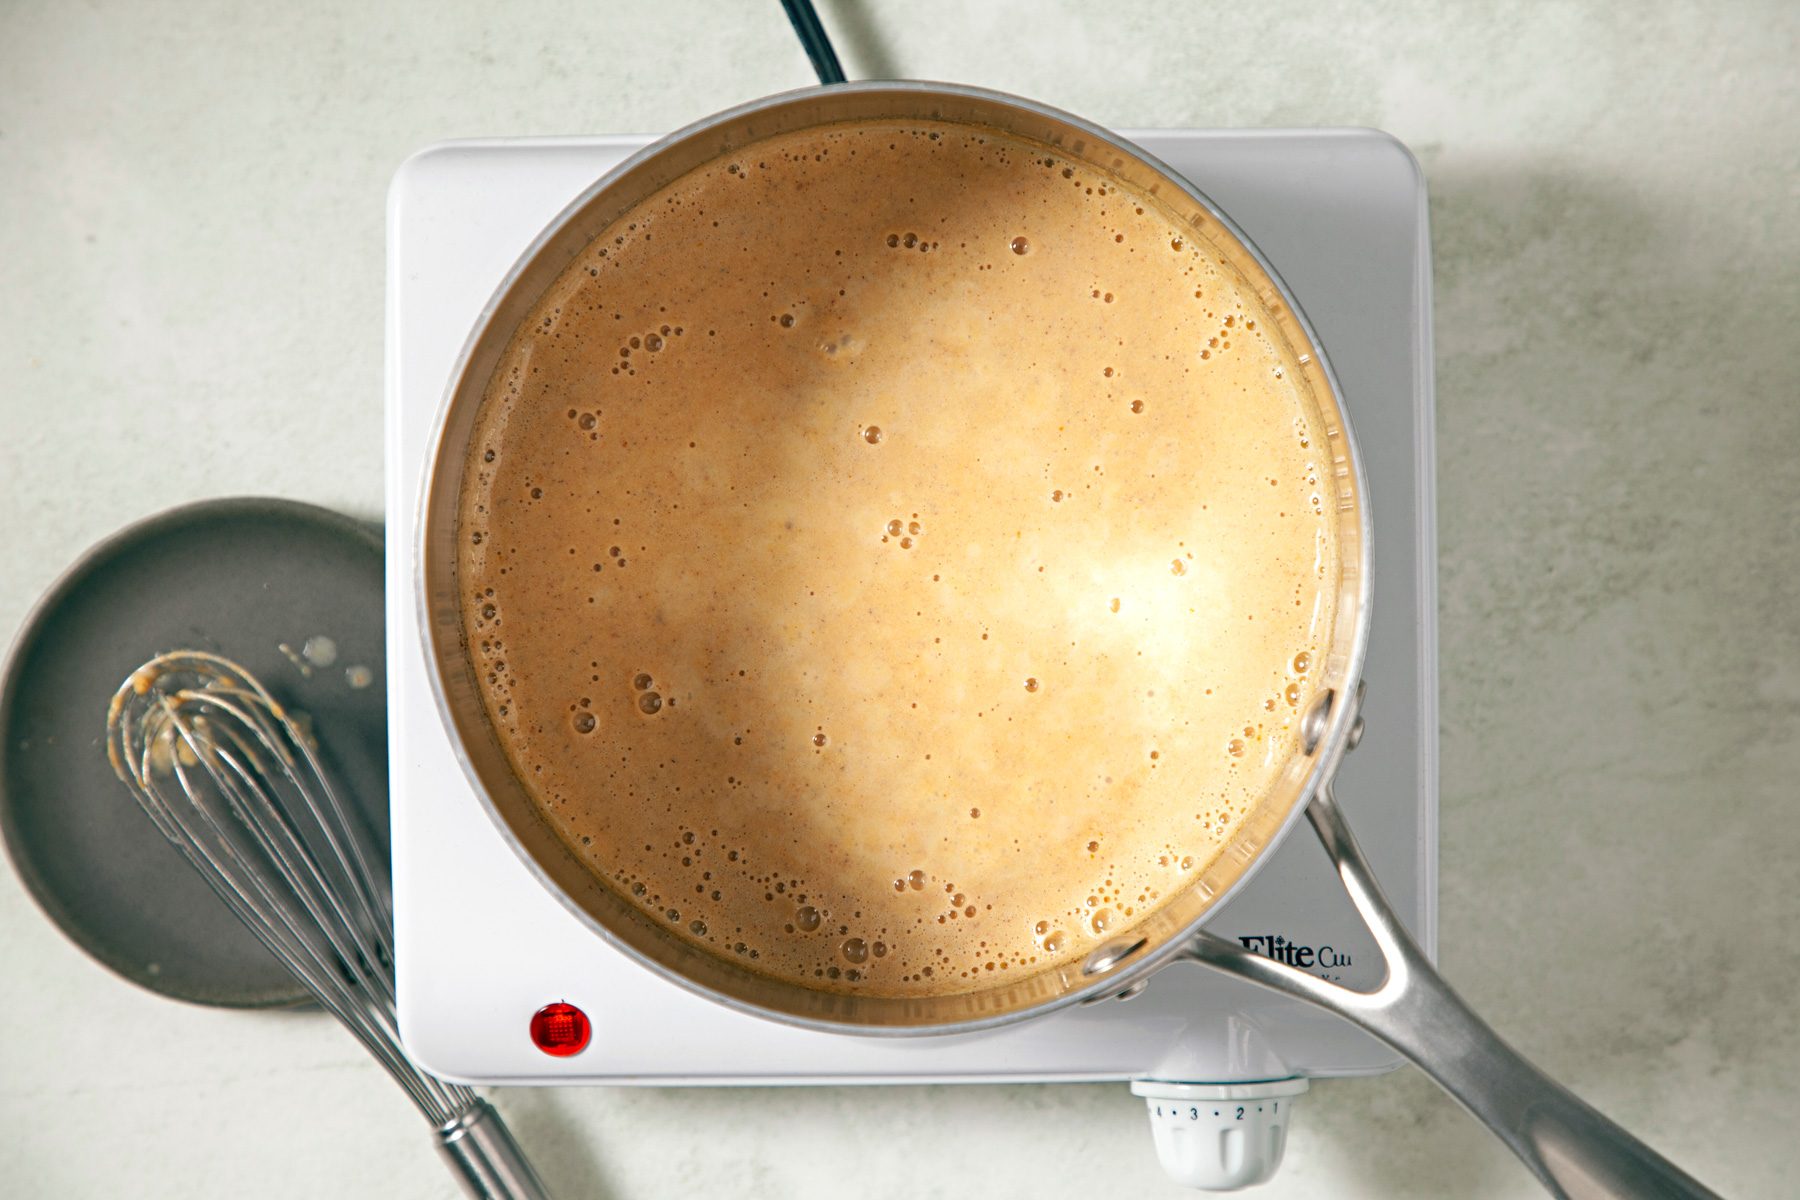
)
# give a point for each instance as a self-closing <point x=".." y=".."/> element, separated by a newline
<point x="560" y="1029"/>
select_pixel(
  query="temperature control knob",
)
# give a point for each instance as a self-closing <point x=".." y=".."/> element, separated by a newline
<point x="1220" y="1137"/>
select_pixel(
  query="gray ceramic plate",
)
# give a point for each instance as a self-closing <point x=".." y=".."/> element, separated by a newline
<point x="238" y="577"/>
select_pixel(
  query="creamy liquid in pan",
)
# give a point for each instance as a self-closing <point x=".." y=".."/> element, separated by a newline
<point x="896" y="557"/>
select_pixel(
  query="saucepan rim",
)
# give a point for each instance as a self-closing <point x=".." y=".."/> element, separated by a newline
<point x="1114" y="967"/>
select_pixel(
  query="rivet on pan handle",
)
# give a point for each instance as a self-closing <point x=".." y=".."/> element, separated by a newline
<point x="1109" y="956"/>
<point x="1312" y="725"/>
<point x="1106" y="957"/>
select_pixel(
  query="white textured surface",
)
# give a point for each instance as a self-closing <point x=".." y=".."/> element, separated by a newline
<point x="191" y="305"/>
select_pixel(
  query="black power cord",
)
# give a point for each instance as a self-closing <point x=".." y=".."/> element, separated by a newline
<point x="814" y="38"/>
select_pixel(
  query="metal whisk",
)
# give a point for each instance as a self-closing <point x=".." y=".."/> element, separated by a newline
<point x="235" y="781"/>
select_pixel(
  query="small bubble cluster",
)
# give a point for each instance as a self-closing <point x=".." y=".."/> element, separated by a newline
<point x="903" y="533"/>
<point x="649" y="701"/>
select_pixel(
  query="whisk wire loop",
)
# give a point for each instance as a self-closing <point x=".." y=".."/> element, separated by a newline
<point x="236" y="782"/>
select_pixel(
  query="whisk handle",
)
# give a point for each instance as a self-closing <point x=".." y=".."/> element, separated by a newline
<point x="485" y="1159"/>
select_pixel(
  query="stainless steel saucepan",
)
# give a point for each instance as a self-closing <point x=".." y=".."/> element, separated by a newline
<point x="1572" y="1148"/>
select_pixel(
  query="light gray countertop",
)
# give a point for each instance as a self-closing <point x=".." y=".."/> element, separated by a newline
<point x="191" y="256"/>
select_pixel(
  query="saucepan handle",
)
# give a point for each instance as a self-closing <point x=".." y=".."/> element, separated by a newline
<point x="1572" y="1149"/>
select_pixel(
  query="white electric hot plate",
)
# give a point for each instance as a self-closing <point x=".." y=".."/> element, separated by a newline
<point x="482" y="946"/>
